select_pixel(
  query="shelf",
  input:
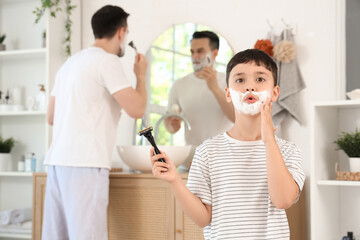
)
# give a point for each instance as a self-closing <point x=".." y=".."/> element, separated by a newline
<point x="338" y="104"/>
<point x="15" y="235"/>
<point x="339" y="183"/>
<point x="23" y="113"/>
<point x="16" y="174"/>
<point x="28" y="53"/>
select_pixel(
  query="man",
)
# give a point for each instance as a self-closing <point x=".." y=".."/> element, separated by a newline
<point x="200" y="96"/>
<point x="89" y="92"/>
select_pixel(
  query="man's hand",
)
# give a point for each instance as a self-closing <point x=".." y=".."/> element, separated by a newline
<point x="165" y="171"/>
<point x="172" y="124"/>
<point x="210" y="76"/>
<point x="267" y="128"/>
<point x="140" y="66"/>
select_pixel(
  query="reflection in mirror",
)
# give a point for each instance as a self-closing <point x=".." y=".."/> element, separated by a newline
<point x="169" y="59"/>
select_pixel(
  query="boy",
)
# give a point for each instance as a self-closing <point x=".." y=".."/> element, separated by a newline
<point x="241" y="181"/>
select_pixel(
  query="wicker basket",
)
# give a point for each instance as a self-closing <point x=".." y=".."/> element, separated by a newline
<point x="346" y="176"/>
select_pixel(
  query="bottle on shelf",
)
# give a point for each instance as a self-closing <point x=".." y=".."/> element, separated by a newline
<point x="41" y="99"/>
<point x="21" y="164"/>
<point x="349" y="236"/>
<point x="17" y="99"/>
<point x="30" y="162"/>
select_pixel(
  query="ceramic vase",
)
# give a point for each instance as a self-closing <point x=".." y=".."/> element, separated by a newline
<point x="354" y="164"/>
<point x="5" y="162"/>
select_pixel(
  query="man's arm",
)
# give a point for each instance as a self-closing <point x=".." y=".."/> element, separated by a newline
<point x="210" y="75"/>
<point x="134" y="100"/>
<point x="51" y="110"/>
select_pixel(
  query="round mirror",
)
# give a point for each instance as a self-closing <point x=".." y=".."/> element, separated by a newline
<point x="169" y="59"/>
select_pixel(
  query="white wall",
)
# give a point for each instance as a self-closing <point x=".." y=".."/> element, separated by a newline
<point x="318" y="43"/>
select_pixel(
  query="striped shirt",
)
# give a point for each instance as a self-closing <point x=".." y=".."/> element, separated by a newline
<point x="231" y="176"/>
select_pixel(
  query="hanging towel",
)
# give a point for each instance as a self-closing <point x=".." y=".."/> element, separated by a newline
<point x="20" y="215"/>
<point x="5" y="217"/>
<point x="291" y="83"/>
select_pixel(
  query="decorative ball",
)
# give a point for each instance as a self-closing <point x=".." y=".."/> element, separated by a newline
<point x="265" y="45"/>
<point x="284" y="51"/>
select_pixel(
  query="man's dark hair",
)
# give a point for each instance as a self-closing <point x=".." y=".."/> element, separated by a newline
<point x="260" y="58"/>
<point x="107" y="20"/>
<point x="213" y="38"/>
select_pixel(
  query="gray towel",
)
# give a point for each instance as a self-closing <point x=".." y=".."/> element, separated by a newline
<point x="291" y="83"/>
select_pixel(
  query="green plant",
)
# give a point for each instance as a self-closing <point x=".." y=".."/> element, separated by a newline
<point x="2" y="38"/>
<point x="6" y="145"/>
<point x="53" y="6"/>
<point x="349" y="143"/>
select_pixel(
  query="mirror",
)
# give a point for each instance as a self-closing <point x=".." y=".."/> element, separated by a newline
<point x="352" y="45"/>
<point x="169" y="59"/>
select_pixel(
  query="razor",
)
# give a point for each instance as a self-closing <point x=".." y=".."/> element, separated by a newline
<point x="131" y="44"/>
<point x="147" y="133"/>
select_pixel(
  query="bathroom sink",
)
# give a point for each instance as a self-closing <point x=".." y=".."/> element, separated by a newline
<point x="138" y="157"/>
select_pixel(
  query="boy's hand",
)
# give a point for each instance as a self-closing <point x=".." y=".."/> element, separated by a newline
<point x="165" y="171"/>
<point x="267" y="128"/>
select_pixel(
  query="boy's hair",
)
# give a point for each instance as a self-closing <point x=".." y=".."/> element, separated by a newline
<point x="107" y="20"/>
<point x="213" y="38"/>
<point x="257" y="56"/>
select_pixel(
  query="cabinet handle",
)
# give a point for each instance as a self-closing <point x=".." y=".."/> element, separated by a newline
<point x="178" y="231"/>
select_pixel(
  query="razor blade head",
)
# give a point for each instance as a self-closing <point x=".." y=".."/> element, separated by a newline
<point x="146" y="130"/>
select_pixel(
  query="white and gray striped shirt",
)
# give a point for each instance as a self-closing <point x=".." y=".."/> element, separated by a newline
<point x="231" y="176"/>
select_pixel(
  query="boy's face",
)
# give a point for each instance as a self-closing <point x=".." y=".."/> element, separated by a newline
<point x="246" y="77"/>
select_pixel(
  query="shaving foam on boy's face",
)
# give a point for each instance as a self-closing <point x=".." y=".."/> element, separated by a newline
<point x="240" y="104"/>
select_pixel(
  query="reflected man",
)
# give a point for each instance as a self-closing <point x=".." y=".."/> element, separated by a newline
<point x="200" y="96"/>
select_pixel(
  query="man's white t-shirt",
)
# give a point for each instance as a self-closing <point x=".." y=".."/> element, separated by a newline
<point x="231" y="176"/>
<point x="86" y="115"/>
<point x="199" y="107"/>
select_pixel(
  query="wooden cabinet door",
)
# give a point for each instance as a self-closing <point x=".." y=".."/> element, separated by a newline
<point x="186" y="229"/>
<point x="39" y="186"/>
<point x="140" y="208"/>
<point x="296" y="215"/>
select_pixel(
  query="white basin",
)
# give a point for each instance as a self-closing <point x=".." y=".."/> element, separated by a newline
<point x="138" y="157"/>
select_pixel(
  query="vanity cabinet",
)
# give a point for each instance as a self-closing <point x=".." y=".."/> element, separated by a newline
<point x="142" y="207"/>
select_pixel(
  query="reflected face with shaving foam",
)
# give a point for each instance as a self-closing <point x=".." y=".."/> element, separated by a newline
<point x="201" y="53"/>
<point x="249" y="87"/>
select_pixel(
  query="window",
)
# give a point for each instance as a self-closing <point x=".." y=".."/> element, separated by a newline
<point x="169" y="59"/>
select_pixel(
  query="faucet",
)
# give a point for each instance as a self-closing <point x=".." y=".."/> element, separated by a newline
<point x="187" y="124"/>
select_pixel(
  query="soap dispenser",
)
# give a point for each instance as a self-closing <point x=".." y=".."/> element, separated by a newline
<point x="41" y="99"/>
<point x="349" y="236"/>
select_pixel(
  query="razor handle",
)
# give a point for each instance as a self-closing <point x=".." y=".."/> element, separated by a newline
<point x="157" y="151"/>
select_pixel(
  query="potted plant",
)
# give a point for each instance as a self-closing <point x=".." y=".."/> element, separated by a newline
<point x="5" y="148"/>
<point x="350" y="144"/>
<point x="2" y="39"/>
